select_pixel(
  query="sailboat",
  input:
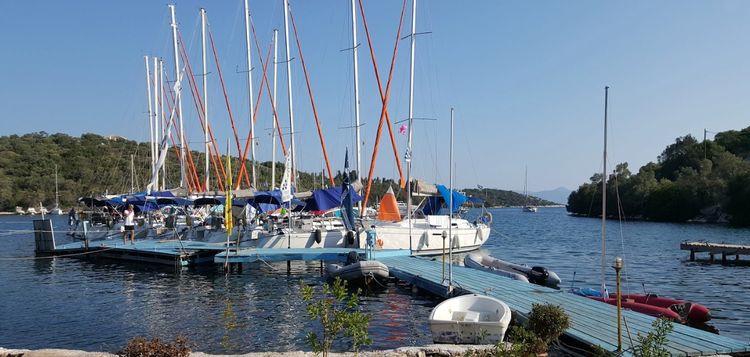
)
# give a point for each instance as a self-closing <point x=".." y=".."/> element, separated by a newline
<point x="678" y="310"/>
<point x="56" y="210"/>
<point x="526" y="207"/>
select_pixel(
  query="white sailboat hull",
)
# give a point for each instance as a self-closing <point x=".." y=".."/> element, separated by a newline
<point x="427" y="236"/>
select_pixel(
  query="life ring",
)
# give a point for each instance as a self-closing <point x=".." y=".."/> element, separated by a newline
<point x="486" y="218"/>
<point x="379" y="243"/>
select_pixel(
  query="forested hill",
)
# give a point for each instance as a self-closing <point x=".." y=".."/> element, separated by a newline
<point x="93" y="165"/>
<point x="691" y="180"/>
<point x="498" y="198"/>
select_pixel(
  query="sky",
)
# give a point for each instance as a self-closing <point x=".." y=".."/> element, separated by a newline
<point x="526" y="79"/>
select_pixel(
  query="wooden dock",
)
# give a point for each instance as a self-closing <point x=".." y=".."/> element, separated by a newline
<point x="592" y="322"/>
<point x="165" y="252"/>
<point x="715" y="249"/>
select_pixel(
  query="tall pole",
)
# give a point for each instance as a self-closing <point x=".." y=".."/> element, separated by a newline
<point x="604" y="197"/>
<point x="164" y="127"/>
<point x="289" y="91"/>
<point x="206" y="173"/>
<point x="356" y="94"/>
<point x="250" y="96"/>
<point x="411" y="118"/>
<point x="177" y="98"/>
<point x="150" y="114"/>
<point x="450" y="211"/>
<point x="132" y="173"/>
<point x="273" y="131"/>
<point x="157" y="109"/>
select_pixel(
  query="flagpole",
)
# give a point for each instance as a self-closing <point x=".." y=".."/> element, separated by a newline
<point x="228" y="206"/>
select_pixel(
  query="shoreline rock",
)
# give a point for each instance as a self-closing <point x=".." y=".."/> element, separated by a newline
<point x="412" y="351"/>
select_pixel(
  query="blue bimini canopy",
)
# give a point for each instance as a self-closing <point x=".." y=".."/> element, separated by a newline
<point x="435" y="203"/>
<point x="329" y="198"/>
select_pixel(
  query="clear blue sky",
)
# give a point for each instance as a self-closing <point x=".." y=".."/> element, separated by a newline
<point x="526" y="78"/>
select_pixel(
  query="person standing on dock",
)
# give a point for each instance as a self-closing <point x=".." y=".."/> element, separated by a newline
<point x="129" y="225"/>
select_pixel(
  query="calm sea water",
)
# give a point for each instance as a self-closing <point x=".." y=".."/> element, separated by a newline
<point x="100" y="305"/>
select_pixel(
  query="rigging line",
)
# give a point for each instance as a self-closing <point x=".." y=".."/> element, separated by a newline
<point x="384" y="99"/>
<point x="268" y="90"/>
<point x="170" y="103"/>
<point x="197" y="100"/>
<point x="250" y="135"/>
<point x="226" y="98"/>
<point x="312" y="100"/>
<point x="621" y="216"/>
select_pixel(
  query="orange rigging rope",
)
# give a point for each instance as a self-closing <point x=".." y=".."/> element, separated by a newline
<point x="384" y="98"/>
<point x="312" y="101"/>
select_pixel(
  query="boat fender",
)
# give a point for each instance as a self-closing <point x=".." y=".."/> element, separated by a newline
<point x="379" y="243"/>
<point x="350" y="237"/>
<point x="486" y="218"/>
<point x="538" y="275"/>
<point x="352" y="257"/>
<point x="318" y="236"/>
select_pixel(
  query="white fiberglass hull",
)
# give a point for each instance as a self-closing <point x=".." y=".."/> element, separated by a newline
<point x="427" y="236"/>
<point x="470" y="319"/>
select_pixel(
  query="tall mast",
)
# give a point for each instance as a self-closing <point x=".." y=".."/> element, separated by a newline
<point x="356" y="92"/>
<point x="57" y="193"/>
<point x="164" y="127"/>
<point x="250" y="95"/>
<point x="206" y="172"/>
<point x="604" y="196"/>
<point x="411" y="117"/>
<point x="152" y="134"/>
<point x="132" y="173"/>
<point x="157" y="135"/>
<point x="177" y="98"/>
<point x="273" y="102"/>
<point x="450" y="211"/>
<point x="289" y="92"/>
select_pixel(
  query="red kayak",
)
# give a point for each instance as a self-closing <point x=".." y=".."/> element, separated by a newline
<point x="631" y="304"/>
<point x="690" y="312"/>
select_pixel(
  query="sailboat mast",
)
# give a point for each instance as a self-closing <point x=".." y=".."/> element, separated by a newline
<point x="411" y="117"/>
<point x="152" y="134"/>
<point x="177" y="97"/>
<point x="293" y="177"/>
<point x="57" y="193"/>
<point x="604" y="197"/>
<point x="450" y="210"/>
<point x="132" y="173"/>
<point x="273" y="102"/>
<point x="164" y="127"/>
<point x="250" y="95"/>
<point x="356" y="93"/>
<point x="157" y="109"/>
<point x="206" y="173"/>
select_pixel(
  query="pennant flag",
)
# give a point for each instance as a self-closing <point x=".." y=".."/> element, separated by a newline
<point x="286" y="184"/>
<point x="402" y="129"/>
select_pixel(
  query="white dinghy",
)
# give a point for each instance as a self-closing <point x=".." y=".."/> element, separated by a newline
<point x="470" y="319"/>
<point x="537" y="275"/>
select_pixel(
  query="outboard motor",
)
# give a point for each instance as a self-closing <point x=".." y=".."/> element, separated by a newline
<point x="352" y="258"/>
<point x="538" y="275"/>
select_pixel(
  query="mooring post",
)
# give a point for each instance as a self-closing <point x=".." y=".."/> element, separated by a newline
<point x="692" y="255"/>
<point x="711" y="257"/>
<point x="321" y="268"/>
<point x="723" y="258"/>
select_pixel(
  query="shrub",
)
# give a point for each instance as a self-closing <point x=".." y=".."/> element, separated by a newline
<point x="652" y="345"/>
<point x="142" y="347"/>
<point x="547" y="322"/>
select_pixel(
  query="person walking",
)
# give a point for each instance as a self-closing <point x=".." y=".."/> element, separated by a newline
<point x="129" y="224"/>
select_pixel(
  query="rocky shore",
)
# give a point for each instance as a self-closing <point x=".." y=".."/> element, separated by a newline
<point x="419" y="351"/>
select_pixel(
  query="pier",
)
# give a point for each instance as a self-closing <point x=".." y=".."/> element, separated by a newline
<point x="592" y="323"/>
<point x="713" y="249"/>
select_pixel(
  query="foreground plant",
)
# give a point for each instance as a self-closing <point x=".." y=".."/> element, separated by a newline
<point x="652" y="344"/>
<point x="338" y="314"/>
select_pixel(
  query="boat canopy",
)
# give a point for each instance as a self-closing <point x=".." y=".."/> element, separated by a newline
<point x="329" y="198"/>
<point x="435" y="203"/>
<point x="94" y="201"/>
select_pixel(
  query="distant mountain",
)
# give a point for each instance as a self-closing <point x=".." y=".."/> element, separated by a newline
<point x="558" y="195"/>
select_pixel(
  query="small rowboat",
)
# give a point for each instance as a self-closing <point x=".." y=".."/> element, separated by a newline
<point x="470" y="319"/>
<point x="358" y="271"/>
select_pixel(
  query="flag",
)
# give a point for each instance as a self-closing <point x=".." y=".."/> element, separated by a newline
<point x="402" y="129"/>
<point x="286" y="184"/>
<point x="228" y="204"/>
<point x="347" y="213"/>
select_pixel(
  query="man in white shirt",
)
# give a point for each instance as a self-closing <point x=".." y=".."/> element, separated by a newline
<point x="129" y="224"/>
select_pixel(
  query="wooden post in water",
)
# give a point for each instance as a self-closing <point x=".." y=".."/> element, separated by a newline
<point x="692" y="255"/>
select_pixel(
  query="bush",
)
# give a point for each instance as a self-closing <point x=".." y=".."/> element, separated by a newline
<point x="547" y="322"/>
<point x="141" y="347"/>
<point x="652" y="345"/>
